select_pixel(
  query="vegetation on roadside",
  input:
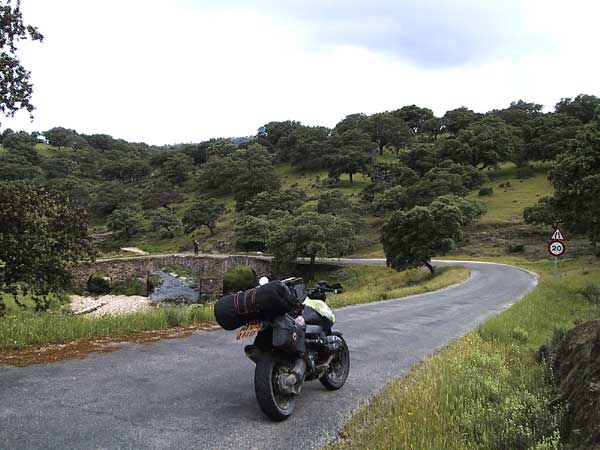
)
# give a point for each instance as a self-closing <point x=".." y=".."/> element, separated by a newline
<point x="364" y="284"/>
<point x="485" y="391"/>
<point x="23" y="329"/>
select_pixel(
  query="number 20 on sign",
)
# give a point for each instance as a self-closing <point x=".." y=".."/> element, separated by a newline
<point x="556" y="248"/>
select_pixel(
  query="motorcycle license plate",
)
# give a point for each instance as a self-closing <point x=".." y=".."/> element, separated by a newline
<point x="249" y="330"/>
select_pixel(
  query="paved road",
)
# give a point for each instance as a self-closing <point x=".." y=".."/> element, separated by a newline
<point x="197" y="392"/>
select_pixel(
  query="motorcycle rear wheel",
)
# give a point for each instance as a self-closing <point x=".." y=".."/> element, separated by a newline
<point x="339" y="368"/>
<point x="276" y="405"/>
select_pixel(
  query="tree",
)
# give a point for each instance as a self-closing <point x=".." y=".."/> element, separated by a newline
<point x="471" y="210"/>
<point x="252" y="233"/>
<point x="482" y="144"/>
<point x="392" y="199"/>
<point x="421" y="157"/>
<point x="459" y="119"/>
<point x="576" y="180"/>
<point x="358" y="121"/>
<point x="160" y="195"/>
<point x="308" y="147"/>
<point x="310" y="235"/>
<point x="519" y="113"/>
<point x="43" y="236"/>
<point x="218" y="174"/>
<point x="164" y="218"/>
<point x="75" y="190"/>
<point x="127" y="222"/>
<point x="332" y="202"/>
<point x="394" y="173"/>
<point x="548" y="135"/>
<point x="264" y="202"/>
<point x="411" y="238"/>
<point x="176" y="168"/>
<point x="59" y="136"/>
<point x="273" y="136"/>
<point x="58" y="167"/>
<point x="583" y="107"/>
<point x="348" y="153"/>
<point x="387" y="129"/>
<point x="14" y="168"/>
<point x="128" y="171"/>
<point x="15" y="86"/>
<point x="255" y="174"/>
<point x="203" y="213"/>
<point x="22" y="144"/>
<point x="414" y="116"/>
<point x="111" y="196"/>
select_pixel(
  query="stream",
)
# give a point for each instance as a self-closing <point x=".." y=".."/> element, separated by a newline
<point x="176" y="289"/>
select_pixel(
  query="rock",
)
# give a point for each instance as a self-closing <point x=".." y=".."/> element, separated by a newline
<point x="577" y="367"/>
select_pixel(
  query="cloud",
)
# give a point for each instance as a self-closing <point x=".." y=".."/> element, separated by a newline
<point x="428" y="33"/>
<point x="143" y="70"/>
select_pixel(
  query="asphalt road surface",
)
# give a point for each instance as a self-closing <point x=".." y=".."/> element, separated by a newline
<point x="197" y="392"/>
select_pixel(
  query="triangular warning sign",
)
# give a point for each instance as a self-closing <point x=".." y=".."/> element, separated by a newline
<point x="558" y="236"/>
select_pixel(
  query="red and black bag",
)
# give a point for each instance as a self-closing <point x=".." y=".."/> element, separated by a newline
<point x="261" y="303"/>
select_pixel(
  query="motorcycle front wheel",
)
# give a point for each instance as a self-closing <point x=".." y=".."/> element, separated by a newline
<point x="275" y="404"/>
<point x="339" y="368"/>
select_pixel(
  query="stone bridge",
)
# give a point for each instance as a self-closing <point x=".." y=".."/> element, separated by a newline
<point x="208" y="270"/>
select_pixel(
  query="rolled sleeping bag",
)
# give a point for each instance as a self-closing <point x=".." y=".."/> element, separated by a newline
<point x="261" y="303"/>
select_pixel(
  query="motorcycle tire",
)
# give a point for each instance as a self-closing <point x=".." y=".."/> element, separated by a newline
<point x="277" y="406"/>
<point x="337" y="375"/>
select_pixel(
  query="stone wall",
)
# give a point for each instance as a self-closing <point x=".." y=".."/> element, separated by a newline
<point x="208" y="270"/>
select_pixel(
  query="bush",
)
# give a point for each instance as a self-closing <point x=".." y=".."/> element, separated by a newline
<point x="133" y="286"/>
<point x="239" y="278"/>
<point x="516" y="248"/>
<point x="99" y="283"/>
<point x="486" y="191"/>
<point x="525" y="172"/>
<point x="591" y="293"/>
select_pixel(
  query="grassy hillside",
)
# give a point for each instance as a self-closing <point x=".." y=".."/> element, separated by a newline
<point x="500" y="231"/>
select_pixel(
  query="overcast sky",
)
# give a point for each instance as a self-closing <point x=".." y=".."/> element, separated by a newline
<point x="188" y="70"/>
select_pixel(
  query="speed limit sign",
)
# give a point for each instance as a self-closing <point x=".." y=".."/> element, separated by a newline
<point x="556" y="248"/>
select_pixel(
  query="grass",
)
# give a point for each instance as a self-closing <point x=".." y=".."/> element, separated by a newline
<point x="22" y="330"/>
<point x="369" y="284"/>
<point x="485" y="391"/>
<point x="506" y="204"/>
<point x="55" y="301"/>
<point x="362" y="284"/>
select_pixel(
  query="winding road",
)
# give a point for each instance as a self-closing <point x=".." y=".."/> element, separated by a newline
<point x="197" y="392"/>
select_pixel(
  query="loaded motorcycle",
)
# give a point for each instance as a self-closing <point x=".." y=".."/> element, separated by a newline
<point x="294" y="341"/>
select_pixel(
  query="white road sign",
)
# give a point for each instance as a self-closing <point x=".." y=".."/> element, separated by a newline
<point x="556" y="248"/>
<point x="557" y="235"/>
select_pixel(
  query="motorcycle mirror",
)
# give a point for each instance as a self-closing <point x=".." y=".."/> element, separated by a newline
<point x="262" y="281"/>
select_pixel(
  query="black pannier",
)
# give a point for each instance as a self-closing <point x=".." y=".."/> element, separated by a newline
<point x="262" y="303"/>
<point x="287" y="335"/>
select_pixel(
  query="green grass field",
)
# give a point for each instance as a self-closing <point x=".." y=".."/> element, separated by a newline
<point x="506" y="204"/>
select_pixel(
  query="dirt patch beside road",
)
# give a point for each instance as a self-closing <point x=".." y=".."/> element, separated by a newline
<point x="81" y="348"/>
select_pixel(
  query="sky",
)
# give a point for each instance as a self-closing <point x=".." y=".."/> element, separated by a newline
<point x="176" y="71"/>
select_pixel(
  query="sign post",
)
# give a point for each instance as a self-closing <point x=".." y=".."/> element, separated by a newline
<point x="557" y="247"/>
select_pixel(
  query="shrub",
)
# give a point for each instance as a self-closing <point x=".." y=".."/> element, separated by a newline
<point x="525" y="172"/>
<point x="518" y="334"/>
<point x="99" y="283"/>
<point x="239" y="278"/>
<point x="591" y="293"/>
<point x="516" y="248"/>
<point x="132" y="286"/>
<point x="486" y="191"/>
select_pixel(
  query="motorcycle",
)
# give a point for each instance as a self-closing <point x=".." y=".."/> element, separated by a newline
<point x="293" y="348"/>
